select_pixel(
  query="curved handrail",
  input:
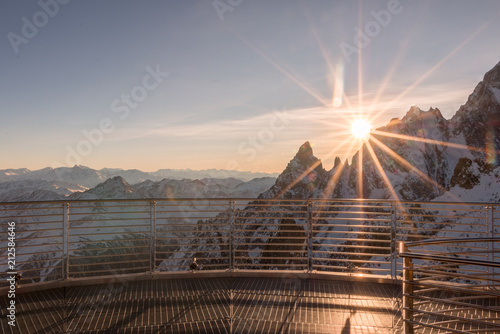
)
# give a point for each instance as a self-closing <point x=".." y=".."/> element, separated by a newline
<point x="448" y="241"/>
<point x="422" y="256"/>
<point x="225" y="199"/>
<point x="431" y="297"/>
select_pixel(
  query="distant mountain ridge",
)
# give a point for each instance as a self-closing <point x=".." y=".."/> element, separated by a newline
<point x="89" y="177"/>
<point x="118" y="188"/>
<point x="69" y="182"/>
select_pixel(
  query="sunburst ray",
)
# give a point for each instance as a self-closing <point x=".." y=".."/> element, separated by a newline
<point x="428" y="141"/>
<point x="409" y="167"/>
<point x="378" y="165"/>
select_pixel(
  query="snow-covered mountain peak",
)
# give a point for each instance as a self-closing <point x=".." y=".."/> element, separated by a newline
<point x="415" y="114"/>
<point x="81" y="167"/>
<point x="116" y="183"/>
<point x="412" y="114"/>
<point x="419" y="123"/>
<point x="115" y="187"/>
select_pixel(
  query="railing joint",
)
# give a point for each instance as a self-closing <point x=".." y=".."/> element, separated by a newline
<point x="309" y="236"/>
<point x="232" y="250"/>
<point x="152" y="237"/>
<point x="65" y="262"/>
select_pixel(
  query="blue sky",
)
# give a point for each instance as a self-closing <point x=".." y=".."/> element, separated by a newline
<point x="229" y="84"/>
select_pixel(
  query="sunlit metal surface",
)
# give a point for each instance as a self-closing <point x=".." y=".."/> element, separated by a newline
<point x="451" y="286"/>
<point x="287" y="304"/>
<point x="61" y="240"/>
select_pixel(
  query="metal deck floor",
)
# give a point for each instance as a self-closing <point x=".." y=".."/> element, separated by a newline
<point x="211" y="305"/>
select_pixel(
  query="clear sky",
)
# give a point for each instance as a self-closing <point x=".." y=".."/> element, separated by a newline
<point x="229" y="84"/>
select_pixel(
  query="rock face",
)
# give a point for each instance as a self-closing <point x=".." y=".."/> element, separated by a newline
<point x="479" y="119"/>
<point x="300" y="178"/>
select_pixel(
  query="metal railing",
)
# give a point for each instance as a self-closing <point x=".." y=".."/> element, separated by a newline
<point x="451" y="286"/>
<point x="60" y="240"/>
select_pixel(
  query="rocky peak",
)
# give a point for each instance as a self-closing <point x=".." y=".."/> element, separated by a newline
<point x="492" y="77"/>
<point x="485" y="99"/>
<point x="306" y="159"/>
<point x="479" y="118"/>
<point x="337" y="162"/>
<point x="412" y="114"/>
<point x="305" y="153"/>
<point x="300" y="178"/>
<point x="417" y="114"/>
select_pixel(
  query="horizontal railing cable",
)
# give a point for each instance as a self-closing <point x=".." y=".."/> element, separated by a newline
<point x="333" y="235"/>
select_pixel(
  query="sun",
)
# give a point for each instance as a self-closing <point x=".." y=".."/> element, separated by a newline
<point x="360" y="129"/>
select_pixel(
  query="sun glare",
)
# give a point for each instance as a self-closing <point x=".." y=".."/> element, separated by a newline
<point x="361" y="129"/>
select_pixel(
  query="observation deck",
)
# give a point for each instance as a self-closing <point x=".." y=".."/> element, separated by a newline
<point x="262" y="266"/>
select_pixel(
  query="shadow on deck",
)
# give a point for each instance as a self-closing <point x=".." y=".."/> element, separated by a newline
<point x="289" y="304"/>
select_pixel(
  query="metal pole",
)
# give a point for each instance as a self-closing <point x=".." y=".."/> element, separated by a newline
<point x="65" y="263"/>
<point x="394" y="250"/>
<point x="152" y="238"/>
<point x="491" y="234"/>
<point x="407" y="291"/>
<point x="309" y="236"/>
<point x="231" y="235"/>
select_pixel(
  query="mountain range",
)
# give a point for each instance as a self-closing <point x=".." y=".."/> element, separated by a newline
<point x="420" y="157"/>
<point x="80" y="182"/>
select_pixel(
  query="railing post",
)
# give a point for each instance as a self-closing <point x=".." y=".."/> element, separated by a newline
<point x="152" y="238"/>
<point x="407" y="291"/>
<point x="231" y="235"/>
<point x="309" y="236"/>
<point x="491" y="234"/>
<point x="65" y="262"/>
<point x="394" y="249"/>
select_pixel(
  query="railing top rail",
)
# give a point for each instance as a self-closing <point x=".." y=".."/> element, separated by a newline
<point x="345" y="200"/>
<point x="416" y="255"/>
<point x="450" y="259"/>
<point x="448" y="241"/>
